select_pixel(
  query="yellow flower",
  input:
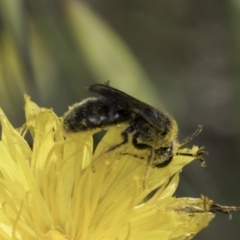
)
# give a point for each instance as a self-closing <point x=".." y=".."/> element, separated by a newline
<point x="58" y="189"/>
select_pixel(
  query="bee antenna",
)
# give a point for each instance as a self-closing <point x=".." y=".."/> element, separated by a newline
<point x="189" y="138"/>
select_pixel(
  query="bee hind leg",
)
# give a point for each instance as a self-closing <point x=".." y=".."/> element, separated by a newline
<point x="124" y="135"/>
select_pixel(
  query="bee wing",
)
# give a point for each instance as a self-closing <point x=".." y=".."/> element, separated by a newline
<point x="115" y="96"/>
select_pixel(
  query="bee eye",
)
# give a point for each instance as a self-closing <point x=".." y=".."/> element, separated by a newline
<point x="166" y="150"/>
<point x="163" y="156"/>
<point x="169" y="149"/>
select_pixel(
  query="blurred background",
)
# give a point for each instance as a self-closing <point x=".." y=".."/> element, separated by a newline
<point x="183" y="55"/>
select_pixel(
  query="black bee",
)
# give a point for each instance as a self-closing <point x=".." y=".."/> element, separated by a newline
<point x="152" y="129"/>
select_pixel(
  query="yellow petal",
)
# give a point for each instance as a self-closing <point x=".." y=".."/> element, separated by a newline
<point x="59" y="189"/>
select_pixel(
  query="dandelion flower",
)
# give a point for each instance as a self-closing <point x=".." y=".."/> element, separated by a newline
<point x="58" y="189"/>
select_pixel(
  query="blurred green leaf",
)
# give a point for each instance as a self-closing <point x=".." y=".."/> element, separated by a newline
<point x="107" y="55"/>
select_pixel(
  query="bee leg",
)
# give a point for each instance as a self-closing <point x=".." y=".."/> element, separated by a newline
<point x="150" y="157"/>
<point x="124" y="135"/>
<point x="149" y="163"/>
<point x="138" y="145"/>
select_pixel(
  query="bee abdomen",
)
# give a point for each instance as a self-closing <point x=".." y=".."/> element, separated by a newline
<point x="93" y="113"/>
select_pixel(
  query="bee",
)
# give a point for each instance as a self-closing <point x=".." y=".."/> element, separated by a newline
<point x="151" y="129"/>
